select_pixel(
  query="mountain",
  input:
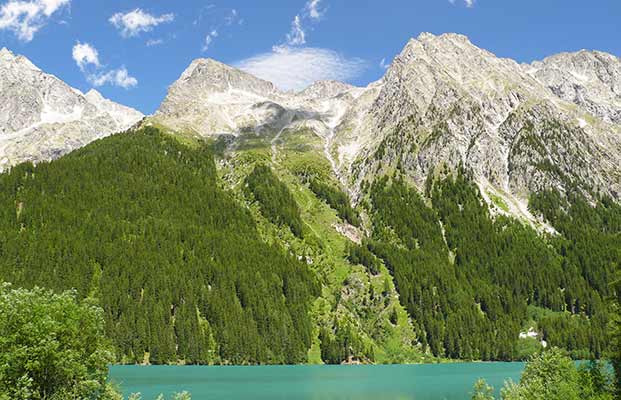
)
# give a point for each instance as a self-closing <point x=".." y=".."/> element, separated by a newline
<point x="590" y="79"/>
<point x="442" y="103"/>
<point x="42" y="118"/>
<point x="460" y="207"/>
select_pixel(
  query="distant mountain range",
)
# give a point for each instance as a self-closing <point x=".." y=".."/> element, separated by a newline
<point x="442" y="103"/>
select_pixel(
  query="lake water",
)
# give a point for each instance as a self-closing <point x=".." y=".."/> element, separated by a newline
<point x="382" y="382"/>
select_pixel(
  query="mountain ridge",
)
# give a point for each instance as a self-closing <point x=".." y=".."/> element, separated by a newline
<point x="42" y="118"/>
<point x="433" y="79"/>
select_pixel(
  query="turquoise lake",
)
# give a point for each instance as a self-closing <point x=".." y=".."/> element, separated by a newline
<point x="367" y="382"/>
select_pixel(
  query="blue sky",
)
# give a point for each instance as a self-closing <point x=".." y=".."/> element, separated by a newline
<point x="142" y="46"/>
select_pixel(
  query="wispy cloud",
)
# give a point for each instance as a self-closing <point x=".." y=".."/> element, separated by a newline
<point x="468" y="3"/>
<point x="232" y="18"/>
<point x="297" y="36"/>
<point x="154" y="42"/>
<point x="311" y="13"/>
<point x="383" y="65"/>
<point x="313" y="10"/>
<point x="86" y="58"/>
<point x="209" y="39"/>
<point x="291" y="66"/>
<point x="116" y="77"/>
<point x="296" y="68"/>
<point x="224" y="22"/>
<point x="137" y="21"/>
<point x="25" y="18"/>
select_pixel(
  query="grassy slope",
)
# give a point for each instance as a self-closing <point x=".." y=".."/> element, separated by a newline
<point x="346" y="288"/>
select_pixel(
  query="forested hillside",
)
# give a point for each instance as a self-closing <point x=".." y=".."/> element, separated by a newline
<point x="473" y="282"/>
<point x="139" y="222"/>
<point x="256" y="262"/>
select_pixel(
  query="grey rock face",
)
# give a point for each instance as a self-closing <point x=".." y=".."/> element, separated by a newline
<point x="42" y="118"/>
<point x="443" y="103"/>
<point x="590" y="79"/>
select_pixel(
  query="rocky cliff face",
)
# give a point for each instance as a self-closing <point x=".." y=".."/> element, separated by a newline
<point x="589" y="79"/>
<point x="443" y="103"/>
<point x="42" y="118"/>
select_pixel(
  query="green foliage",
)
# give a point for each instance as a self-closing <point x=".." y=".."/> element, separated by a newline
<point x="277" y="203"/>
<point x="615" y="332"/>
<point x="139" y="221"/>
<point x="52" y="346"/>
<point x="468" y="279"/>
<point x="342" y="346"/>
<point x="591" y="235"/>
<point x="335" y="199"/>
<point x="409" y="239"/>
<point x="527" y="347"/>
<point x="596" y="381"/>
<point x="552" y="375"/>
<point x="360" y="254"/>
<point x="482" y="391"/>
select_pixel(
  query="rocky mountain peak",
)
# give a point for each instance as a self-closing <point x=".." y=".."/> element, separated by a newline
<point x="41" y="117"/>
<point x="94" y="95"/>
<point x="428" y="44"/>
<point x="8" y="60"/>
<point x="590" y="79"/>
<point x="5" y="54"/>
<point x="214" y="76"/>
<point x="451" y="103"/>
<point x="325" y="89"/>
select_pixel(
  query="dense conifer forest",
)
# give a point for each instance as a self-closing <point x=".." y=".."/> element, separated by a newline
<point x="472" y="282"/>
<point x="276" y="202"/>
<point x="138" y="222"/>
<point x="337" y="199"/>
<point x="143" y="225"/>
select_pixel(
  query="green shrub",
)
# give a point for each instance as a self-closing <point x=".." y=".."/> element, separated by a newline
<point x="52" y="346"/>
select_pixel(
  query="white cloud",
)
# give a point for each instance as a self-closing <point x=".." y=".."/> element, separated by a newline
<point x="134" y="22"/>
<point x="296" y="36"/>
<point x="87" y="59"/>
<point x="469" y="3"/>
<point x="383" y="64"/>
<point x="312" y="7"/>
<point x="309" y="14"/>
<point x="296" y="68"/>
<point x="209" y="39"/>
<point x="25" y="18"/>
<point x="84" y="54"/>
<point x="116" y="77"/>
<point x="219" y="23"/>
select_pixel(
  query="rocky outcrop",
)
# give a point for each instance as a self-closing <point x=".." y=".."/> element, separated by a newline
<point x="42" y="118"/>
<point x="444" y="103"/>
<point x="589" y="79"/>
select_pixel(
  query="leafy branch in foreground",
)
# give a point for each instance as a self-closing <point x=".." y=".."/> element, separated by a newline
<point x="552" y="375"/>
<point x="52" y="346"/>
